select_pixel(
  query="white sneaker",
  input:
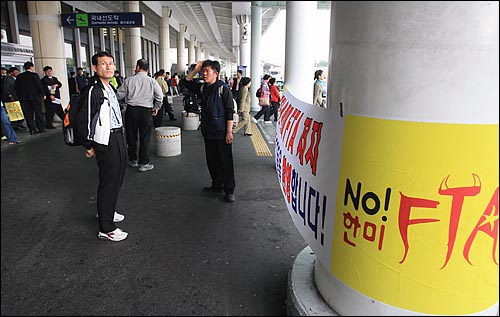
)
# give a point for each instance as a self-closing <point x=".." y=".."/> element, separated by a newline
<point x="115" y="235"/>
<point x="146" y="167"/>
<point x="270" y="122"/>
<point x="116" y="218"/>
<point x="254" y="120"/>
<point x="133" y="163"/>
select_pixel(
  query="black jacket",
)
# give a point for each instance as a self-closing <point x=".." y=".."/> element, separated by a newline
<point x="46" y="82"/>
<point x="90" y="100"/>
<point x="216" y="108"/>
<point x="28" y="86"/>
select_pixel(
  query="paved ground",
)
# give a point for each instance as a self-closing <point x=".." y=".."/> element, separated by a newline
<point x="187" y="253"/>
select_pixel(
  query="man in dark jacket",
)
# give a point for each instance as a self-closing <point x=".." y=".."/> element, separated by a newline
<point x="30" y="92"/>
<point x="53" y="97"/>
<point x="217" y="109"/>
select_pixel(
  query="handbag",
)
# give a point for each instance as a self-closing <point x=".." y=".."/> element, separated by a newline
<point x="264" y="101"/>
<point x="236" y="119"/>
<point x="14" y="110"/>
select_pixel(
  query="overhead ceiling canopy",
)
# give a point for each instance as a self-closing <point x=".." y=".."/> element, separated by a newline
<point x="214" y="22"/>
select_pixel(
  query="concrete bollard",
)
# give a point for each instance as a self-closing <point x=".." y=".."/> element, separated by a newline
<point x="168" y="141"/>
<point x="190" y="121"/>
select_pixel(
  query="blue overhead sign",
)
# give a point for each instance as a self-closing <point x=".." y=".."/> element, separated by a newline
<point x="94" y="20"/>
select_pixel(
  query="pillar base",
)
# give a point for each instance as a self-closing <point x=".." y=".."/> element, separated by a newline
<point x="303" y="298"/>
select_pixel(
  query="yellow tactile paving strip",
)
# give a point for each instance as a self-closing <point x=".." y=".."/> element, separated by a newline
<point x="259" y="144"/>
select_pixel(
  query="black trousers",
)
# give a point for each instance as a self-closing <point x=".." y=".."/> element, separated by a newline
<point x="275" y="106"/>
<point x="138" y="119"/>
<point x="112" y="162"/>
<point x="219" y="157"/>
<point x="266" y="111"/>
<point x="52" y="109"/>
<point x="168" y="108"/>
<point x="157" y="120"/>
<point x="33" y="106"/>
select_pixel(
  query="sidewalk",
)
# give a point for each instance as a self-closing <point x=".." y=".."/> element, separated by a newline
<point x="187" y="253"/>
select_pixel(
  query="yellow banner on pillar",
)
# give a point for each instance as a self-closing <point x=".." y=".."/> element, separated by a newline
<point x="416" y="215"/>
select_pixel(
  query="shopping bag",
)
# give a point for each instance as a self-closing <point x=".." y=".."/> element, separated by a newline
<point x="14" y="110"/>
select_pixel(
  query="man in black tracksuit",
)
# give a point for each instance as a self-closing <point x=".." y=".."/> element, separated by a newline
<point x="217" y="111"/>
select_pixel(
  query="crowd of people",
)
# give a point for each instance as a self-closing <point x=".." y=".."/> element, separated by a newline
<point x="128" y="109"/>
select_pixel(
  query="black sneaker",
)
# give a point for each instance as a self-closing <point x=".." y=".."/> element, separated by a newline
<point x="229" y="198"/>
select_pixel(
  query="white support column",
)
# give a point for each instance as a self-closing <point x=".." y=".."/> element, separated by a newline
<point x="48" y="40"/>
<point x="91" y="43"/>
<point x="133" y="40"/>
<point x="150" y="55"/>
<point x="14" y="24"/>
<point x="255" y="69"/>
<point x="102" y="39"/>
<point x="299" y="64"/>
<point x="164" y="27"/>
<point x="111" y="41"/>
<point x="245" y="44"/>
<point x="236" y="52"/>
<point x="78" y="52"/>
<point x="120" y="52"/>
<point x="181" y="54"/>
<point x="154" y="51"/>
<point x="192" y="40"/>
<point x="426" y="88"/>
<point x="197" y="53"/>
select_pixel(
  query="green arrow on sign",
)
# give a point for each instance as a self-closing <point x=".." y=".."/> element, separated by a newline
<point x="82" y="19"/>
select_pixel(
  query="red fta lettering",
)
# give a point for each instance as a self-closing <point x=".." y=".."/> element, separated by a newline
<point x="405" y="206"/>
<point x="487" y="223"/>
<point x="458" y="194"/>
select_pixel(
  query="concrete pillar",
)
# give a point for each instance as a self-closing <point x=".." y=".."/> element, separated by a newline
<point x="91" y="43"/>
<point x="245" y="36"/>
<point x="48" y="41"/>
<point x="197" y="53"/>
<point x="78" y="54"/>
<point x="111" y="41"/>
<point x="14" y="24"/>
<point x="150" y="55"/>
<point x="192" y="40"/>
<point x="164" y="28"/>
<point x="102" y="39"/>
<point x="121" y="67"/>
<point x="255" y="69"/>
<point x="432" y="78"/>
<point x="133" y="41"/>
<point x="181" y="54"/>
<point x="299" y="64"/>
<point x="236" y="52"/>
<point x="154" y="51"/>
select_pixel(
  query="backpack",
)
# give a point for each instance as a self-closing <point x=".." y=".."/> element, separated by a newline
<point x="70" y="122"/>
<point x="258" y="93"/>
